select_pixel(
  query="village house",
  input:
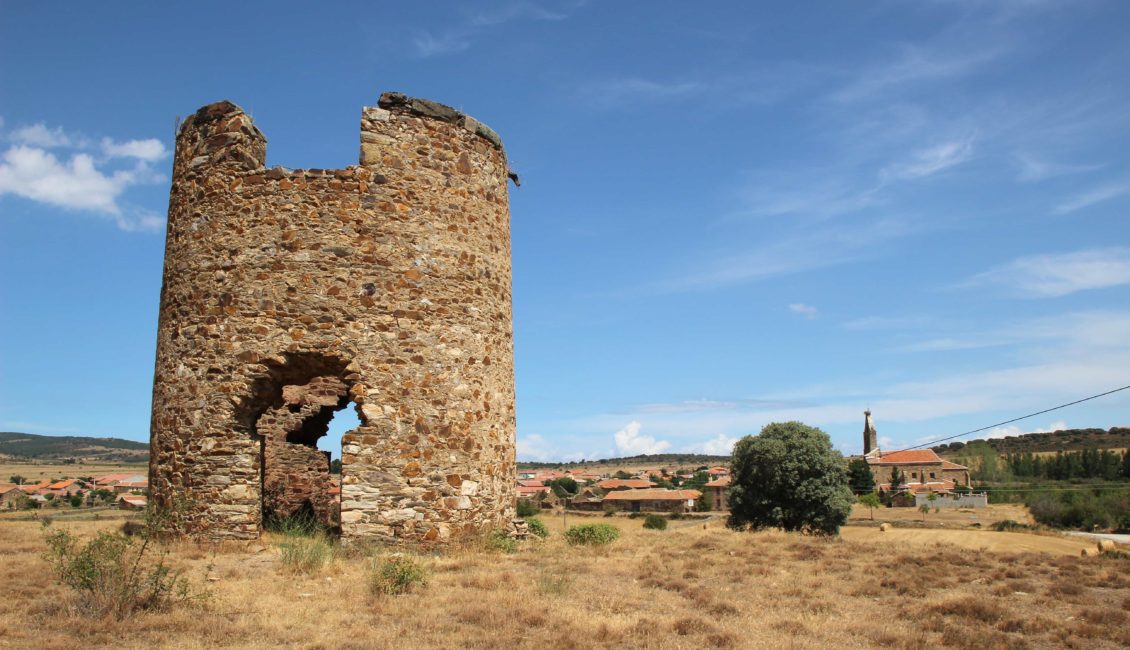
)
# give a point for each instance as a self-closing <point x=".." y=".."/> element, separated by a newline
<point x="132" y="502"/>
<point x="132" y="484"/>
<point x="717" y="493"/>
<point x="625" y="484"/>
<point x="651" y="500"/>
<point x="588" y="498"/>
<point x="11" y="496"/>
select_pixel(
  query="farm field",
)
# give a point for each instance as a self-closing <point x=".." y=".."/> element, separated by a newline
<point x="951" y="517"/>
<point x="693" y="586"/>
<point x="34" y="471"/>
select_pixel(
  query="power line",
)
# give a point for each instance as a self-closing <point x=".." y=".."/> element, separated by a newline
<point x="1023" y="417"/>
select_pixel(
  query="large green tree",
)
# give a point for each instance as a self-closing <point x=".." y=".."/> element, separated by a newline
<point x="788" y="476"/>
<point x="860" y="477"/>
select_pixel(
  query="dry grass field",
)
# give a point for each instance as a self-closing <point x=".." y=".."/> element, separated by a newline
<point x="692" y="586"/>
<point x="34" y="472"/>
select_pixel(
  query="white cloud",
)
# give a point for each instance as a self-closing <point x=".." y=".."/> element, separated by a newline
<point x="149" y="150"/>
<point x="1054" y="275"/>
<point x="720" y="445"/>
<point x="630" y="443"/>
<point x="1015" y="430"/>
<point x="807" y="311"/>
<point x="535" y="447"/>
<point x="38" y="135"/>
<point x="1092" y="196"/>
<point x="78" y="184"/>
<point x="929" y="161"/>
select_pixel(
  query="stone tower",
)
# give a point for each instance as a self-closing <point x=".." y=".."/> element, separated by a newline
<point x="870" y="436"/>
<point x="291" y="294"/>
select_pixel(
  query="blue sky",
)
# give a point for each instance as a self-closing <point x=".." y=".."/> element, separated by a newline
<point x="730" y="213"/>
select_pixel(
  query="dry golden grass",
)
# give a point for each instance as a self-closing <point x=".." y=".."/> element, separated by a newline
<point x="946" y="517"/>
<point x="692" y="586"/>
<point x="34" y="472"/>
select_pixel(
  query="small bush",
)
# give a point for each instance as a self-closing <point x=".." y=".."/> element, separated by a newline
<point x="306" y="553"/>
<point x="499" y="541"/>
<point x="527" y="508"/>
<point x="537" y="528"/>
<point x="117" y="575"/>
<point x="592" y="534"/>
<point x="654" y="522"/>
<point x="397" y="575"/>
<point x="634" y="515"/>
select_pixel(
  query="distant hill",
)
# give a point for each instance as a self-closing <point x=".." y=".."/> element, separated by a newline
<point x="1064" y="440"/>
<point x="31" y="446"/>
<point x="656" y="460"/>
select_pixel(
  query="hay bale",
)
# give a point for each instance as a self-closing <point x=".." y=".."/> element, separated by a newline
<point x="1089" y="552"/>
<point x="1105" y="545"/>
<point x="884" y="527"/>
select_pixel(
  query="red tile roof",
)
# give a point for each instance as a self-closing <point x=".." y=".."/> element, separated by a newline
<point x="531" y="482"/>
<point x="719" y="482"/>
<point x="652" y="495"/>
<point x="948" y="465"/>
<point x="61" y="485"/>
<point x="630" y="483"/>
<point x="528" y="491"/>
<point x="916" y="456"/>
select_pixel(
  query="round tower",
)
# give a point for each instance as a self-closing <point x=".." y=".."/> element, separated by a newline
<point x="289" y="295"/>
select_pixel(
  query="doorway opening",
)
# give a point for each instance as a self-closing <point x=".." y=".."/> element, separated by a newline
<point x="302" y="397"/>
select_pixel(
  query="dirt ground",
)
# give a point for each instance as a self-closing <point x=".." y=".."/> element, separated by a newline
<point x="694" y="585"/>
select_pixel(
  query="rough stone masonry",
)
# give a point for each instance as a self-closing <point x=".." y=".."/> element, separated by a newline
<point x="289" y="295"/>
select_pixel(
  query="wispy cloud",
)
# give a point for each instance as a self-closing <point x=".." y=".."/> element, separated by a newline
<point x="463" y="35"/>
<point x="1031" y="169"/>
<point x="1059" y="274"/>
<point x="808" y="311"/>
<point x="429" y="44"/>
<point x="1093" y="196"/>
<point x="615" y="93"/>
<point x="819" y="247"/>
<point x="913" y="65"/>
<point x="930" y="161"/>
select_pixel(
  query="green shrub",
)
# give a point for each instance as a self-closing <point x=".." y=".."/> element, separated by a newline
<point x="634" y="515"/>
<point x="592" y="534"/>
<point x="537" y="528"/>
<point x="307" y="553"/>
<point x="654" y="522"/>
<point x="397" y="575"/>
<point x="499" y="540"/>
<point x="527" y="508"/>
<point x="117" y="575"/>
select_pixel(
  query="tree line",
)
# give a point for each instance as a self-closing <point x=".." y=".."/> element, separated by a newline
<point x="1088" y="463"/>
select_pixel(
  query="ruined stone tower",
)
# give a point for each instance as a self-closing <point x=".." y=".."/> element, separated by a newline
<point x="291" y="294"/>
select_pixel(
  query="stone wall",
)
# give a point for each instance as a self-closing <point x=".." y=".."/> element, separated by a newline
<point x="385" y="285"/>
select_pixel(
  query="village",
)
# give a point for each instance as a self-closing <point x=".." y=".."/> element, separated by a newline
<point x="903" y="478"/>
<point x="126" y="491"/>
